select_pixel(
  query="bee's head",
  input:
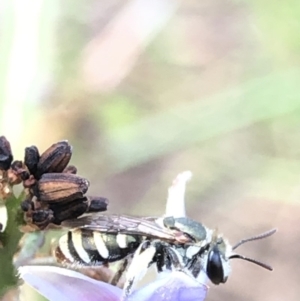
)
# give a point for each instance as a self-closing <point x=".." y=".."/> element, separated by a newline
<point x="220" y="252"/>
<point x="217" y="260"/>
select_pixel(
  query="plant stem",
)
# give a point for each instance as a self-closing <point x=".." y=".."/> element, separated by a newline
<point x="10" y="240"/>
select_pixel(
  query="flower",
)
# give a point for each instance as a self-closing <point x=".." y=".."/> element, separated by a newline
<point x="61" y="284"/>
<point x="56" y="283"/>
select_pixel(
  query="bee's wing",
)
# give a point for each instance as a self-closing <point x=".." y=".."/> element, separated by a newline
<point x="146" y="226"/>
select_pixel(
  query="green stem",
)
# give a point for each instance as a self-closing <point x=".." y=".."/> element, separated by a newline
<point x="10" y="240"/>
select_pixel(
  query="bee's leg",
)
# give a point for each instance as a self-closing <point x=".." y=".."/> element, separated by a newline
<point x="192" y="267"/>
<point x="142" y="258"/>
<point x="174" y="259"/>
<point x="195" y="266"/>
<point x="117" y="276"/>
<point x="160" y="258"/>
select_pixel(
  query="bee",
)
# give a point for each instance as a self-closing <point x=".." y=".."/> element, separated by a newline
<point x="170" y="243"/>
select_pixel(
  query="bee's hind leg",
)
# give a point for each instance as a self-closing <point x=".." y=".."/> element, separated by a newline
<point x="141" y="261"/>
<point x="122" y="268"/>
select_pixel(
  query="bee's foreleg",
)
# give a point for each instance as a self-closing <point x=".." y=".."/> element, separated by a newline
<point x="142" y="258"/>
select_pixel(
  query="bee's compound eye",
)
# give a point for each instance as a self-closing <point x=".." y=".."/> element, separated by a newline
<point x="214" y="268"/>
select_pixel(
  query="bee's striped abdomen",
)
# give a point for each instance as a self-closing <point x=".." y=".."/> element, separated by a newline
<point x="87" y="247"/>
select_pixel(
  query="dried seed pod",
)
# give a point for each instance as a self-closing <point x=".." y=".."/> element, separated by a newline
<point x="58" y="187"/>
<point x="97" y="204"/>
<point x="30" y="182"/>
<point x="6" y="156"/>
<point x="27" y="205"/>
<point x="71" y="210"/>
<point x="18" y="173"/>
<point x="42" y="218"/>
<point x="32" y="158"/>
<point x="54" y="159"/>
<point x="70" y="169"/>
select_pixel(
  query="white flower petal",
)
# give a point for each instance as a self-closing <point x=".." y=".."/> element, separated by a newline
<point x="175" y="202"/>
<point x="3" y="216"/>
<point x="59" y="284"/>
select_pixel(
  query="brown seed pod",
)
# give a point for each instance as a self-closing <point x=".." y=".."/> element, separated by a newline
<point x="27" y="205"/>
<point x="54" y="159"/>
<point x="70" y="169"/>
<point x="59" y="187"/>
<point x="6" y="156"/>
<point x="42" y="218"/>
<point x="30" y="182"/>
<point x="18" y="173"/>
<point x="70" y="210"/>
<point x="97" y="204"/>
<point x="32" y="158"/>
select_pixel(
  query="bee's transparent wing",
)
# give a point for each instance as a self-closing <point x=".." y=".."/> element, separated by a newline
<point x="146" y="226"/>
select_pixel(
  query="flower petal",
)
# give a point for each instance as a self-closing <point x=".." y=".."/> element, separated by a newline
<point x="174" y="286"/>
<point x="61" y="284"/>
<point x="175" y="203"/>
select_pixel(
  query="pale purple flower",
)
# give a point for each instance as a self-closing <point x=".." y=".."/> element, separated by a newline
<point x="60" y="284"/>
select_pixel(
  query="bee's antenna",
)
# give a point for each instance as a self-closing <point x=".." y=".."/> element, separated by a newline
<point x="260" y="236"/>
<point x="261" y="264"/>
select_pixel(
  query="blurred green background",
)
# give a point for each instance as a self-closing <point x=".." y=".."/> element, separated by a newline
<point x="146" y="89"/>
